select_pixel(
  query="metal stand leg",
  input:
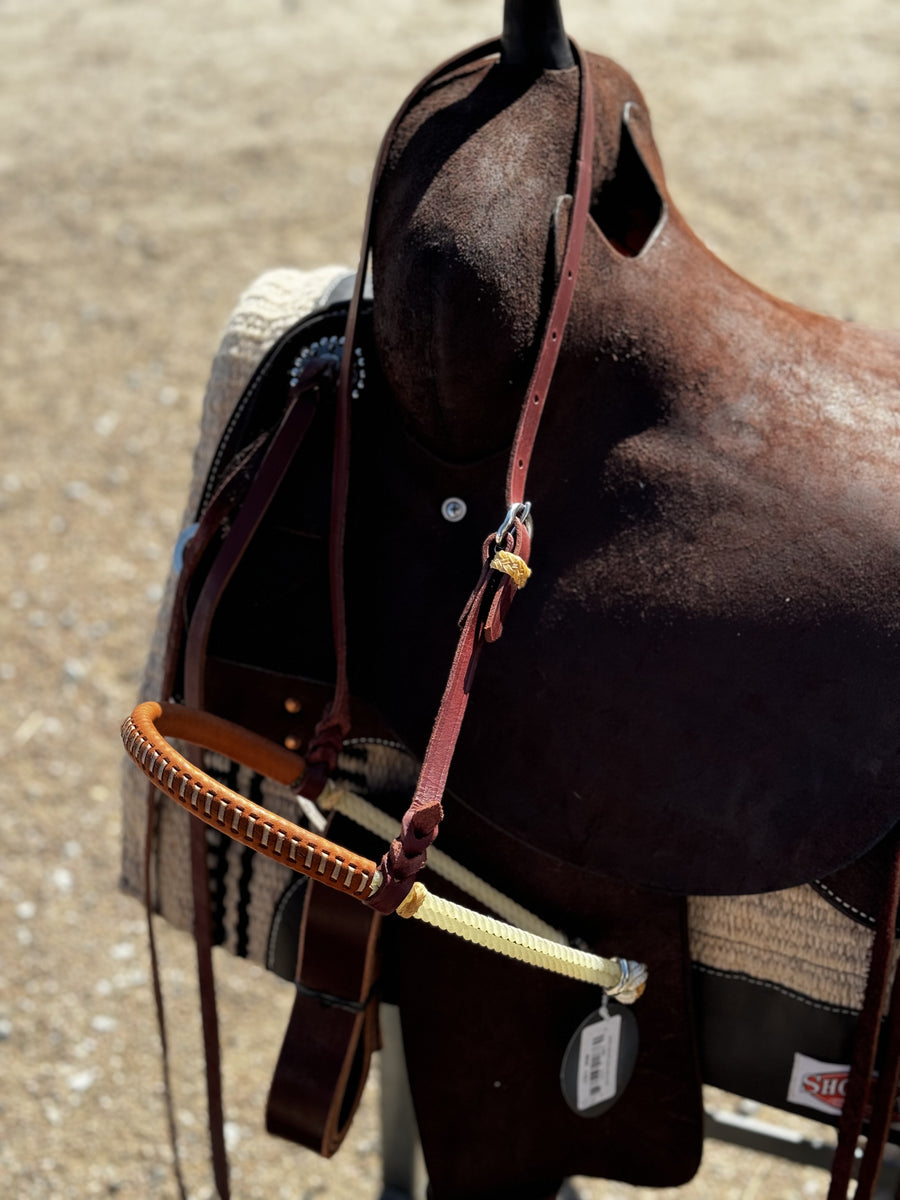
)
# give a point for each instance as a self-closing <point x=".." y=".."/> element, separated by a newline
<point x="744" y="1129"/>
<point x="403" y="1166"/>
<point x="887" y="1187"/>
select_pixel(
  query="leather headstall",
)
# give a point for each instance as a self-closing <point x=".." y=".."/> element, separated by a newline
<point x="505" y="555"/>
<point x="320" y="1118"/>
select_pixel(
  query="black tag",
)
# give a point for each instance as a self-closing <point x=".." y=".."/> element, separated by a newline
<point x="599" y="1059"/>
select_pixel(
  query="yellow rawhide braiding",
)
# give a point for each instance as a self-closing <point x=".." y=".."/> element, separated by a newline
<point x="510" y="564"/>
<point x="413" y="902"/>
<point x="619" y="978"/>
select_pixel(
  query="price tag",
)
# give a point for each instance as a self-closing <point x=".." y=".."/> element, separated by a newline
<point x="599" y="1060"/>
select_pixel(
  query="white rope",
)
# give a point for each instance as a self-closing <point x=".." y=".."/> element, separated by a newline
<point x="385" y="827"/>
<point x="522" y="935"/>
<point x="613" y="974"/>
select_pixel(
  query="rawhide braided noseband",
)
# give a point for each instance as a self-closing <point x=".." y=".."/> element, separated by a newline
<point x="318" y="858"/>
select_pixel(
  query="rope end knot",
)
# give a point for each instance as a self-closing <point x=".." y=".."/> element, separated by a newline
<point x="512" y="565"/>
<point x="413" y="901"/>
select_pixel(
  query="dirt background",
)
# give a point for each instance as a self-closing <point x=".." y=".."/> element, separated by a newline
<point x="154" y="158"/>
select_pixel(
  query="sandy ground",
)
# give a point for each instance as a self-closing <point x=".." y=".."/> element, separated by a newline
<point x="154" y="157"/>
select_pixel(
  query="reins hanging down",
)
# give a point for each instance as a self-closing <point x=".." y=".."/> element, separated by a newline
<point x="144" y="735"/>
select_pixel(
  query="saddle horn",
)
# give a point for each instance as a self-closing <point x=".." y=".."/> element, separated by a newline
<point x="533" y="36"/>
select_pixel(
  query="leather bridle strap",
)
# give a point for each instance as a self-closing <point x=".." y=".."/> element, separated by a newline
<point x="545" y="366"/>
<point x="319" y="1077"/>
<point x="493" y="593"/>
<point x="220" y="507"/>
<point x="330" y="732"/>
<point x="859" y="1085"/>
<point x="263" y="485"/>
<point x="269" y="472"/>
<point x="488" y="605"/>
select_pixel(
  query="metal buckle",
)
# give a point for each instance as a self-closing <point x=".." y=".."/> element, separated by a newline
<point x="519" y="511"/>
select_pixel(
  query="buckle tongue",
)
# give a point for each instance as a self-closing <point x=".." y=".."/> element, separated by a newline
<point x="517" y="511"/>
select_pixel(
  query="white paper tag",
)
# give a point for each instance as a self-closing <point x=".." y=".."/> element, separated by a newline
<point x="823" y="1086"/>
<point x="818" y="1085"/>
<point x="599" y="1059"/>
<point x="598" y="1062"/>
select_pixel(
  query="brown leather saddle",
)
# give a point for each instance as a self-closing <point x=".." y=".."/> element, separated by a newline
<point x="701" y="692"/>
<point x="698" y="691"/>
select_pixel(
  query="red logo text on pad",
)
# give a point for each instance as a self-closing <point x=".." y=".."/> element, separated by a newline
<point x="828" y="1086"/>
<point x="823" y="1086"/>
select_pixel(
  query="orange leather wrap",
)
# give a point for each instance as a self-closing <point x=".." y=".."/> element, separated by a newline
<point x="216" y="805"/>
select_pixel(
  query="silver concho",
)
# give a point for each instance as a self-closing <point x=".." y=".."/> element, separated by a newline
<point x="328" y="351"/>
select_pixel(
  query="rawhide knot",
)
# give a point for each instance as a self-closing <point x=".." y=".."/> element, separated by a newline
<point x="325" y="744"/>
<point x="512" y="565"/>
<point x="321" y="757"/>
<point x="406" y="856"/>
<point x="511" y="561"/>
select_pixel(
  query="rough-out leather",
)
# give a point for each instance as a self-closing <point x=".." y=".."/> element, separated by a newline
<point x="700" y="697"/>
<point x="715" y="509"/>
